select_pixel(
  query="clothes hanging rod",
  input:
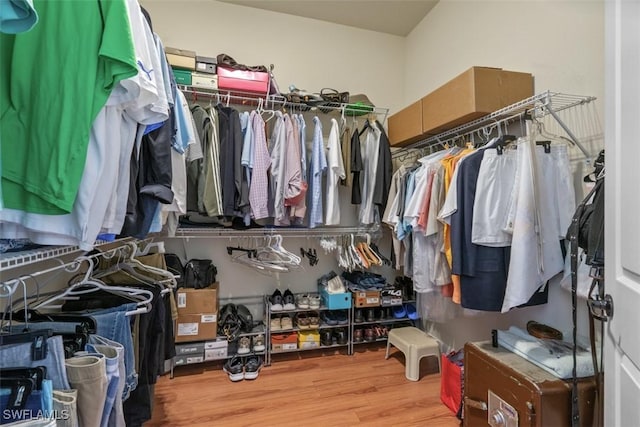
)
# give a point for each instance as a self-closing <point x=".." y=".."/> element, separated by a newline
<point x="204" y="232"/>
<point x="538" y="106"/>
<point x="274" y="101"/>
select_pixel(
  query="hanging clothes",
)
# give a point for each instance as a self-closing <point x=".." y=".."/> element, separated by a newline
<point x="370" y="150"/>
<point x="335" y="172"/>
<point x="259" y="189"/>
<point x="277" y="153"/>
<point x="318" y="167"/>
<point x="356" y="168"/>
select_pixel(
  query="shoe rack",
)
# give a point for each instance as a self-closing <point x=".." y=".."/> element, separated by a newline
<point x="372" y="323"/>
<point x="340" y="333"/>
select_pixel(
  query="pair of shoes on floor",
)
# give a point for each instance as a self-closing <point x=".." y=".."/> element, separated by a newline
<point x="282" y="301"/>
<point x="239" y="370"/>
<point x="245" y="344"/>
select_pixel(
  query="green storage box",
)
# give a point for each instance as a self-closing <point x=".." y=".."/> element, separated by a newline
<point x="183" y="77"/>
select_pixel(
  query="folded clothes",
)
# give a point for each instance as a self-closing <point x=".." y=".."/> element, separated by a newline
<point x="554" y="356"/>
<point x="364" y="281"/>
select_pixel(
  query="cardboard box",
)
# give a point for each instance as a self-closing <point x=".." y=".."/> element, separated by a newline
<point x="214" y="350"/>
<point x="405" y="126"/>
<point x="205" y="81"/>
<point x="284" y="342"/>
<point x="335" y="301"/>
<point x="196" y="327"/>
<point x="366" y="298"/>
<point x="473" y="94"/>
<point x="181" y="58"/>
<point x="244" y="81"/>
<point x="183" y="77"/>
<point x="190" y="348"/>
<point x="188" y="359"/>
<point x="206" y="65"/>
<point x="308" y="336"/>
<point x="196" y="301"/>
<point x="391" y="297"/>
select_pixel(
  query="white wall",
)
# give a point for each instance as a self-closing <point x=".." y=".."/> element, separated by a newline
<point x="309" y="53"/>
<point x="562" y="44"/>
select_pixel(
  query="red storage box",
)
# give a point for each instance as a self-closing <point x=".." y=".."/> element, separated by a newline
<point x="244" y="81"/>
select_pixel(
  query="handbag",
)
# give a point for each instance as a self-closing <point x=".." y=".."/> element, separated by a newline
<point x="199" y="273"/>
<point x="233" y="320"/>
<point x="175" y="267"/>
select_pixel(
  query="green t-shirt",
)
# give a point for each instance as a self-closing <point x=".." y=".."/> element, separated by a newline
<point x="54" y="80"/>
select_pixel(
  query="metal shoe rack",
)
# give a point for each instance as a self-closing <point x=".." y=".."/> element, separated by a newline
<point x="270" y="314"/>
<point x="388" y="322"/>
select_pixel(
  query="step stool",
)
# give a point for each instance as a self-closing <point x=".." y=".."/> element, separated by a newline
<point x="415" y="344"/>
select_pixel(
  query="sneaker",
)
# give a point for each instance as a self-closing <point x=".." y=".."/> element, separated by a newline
<point x="288" y="300"/>
<point x="244" y="345"/>
<point x="258" y="343"/>
<point x="314" y="301"/>
<point x="371" y="315"/>
<point x="252" y="367"/>
<point x="303" y="301"/>
<point x="399" y="312"/>
<point x="341" y="317"/>
<point x="314" y="320"/>
<point x="411" y="311"/>
<point x="359" y="317"/>
<point x="275" y="323"/>
<point x="286" y="322"/>
<point x="302" y="321"/>
<point x="340" y="335"/>
<point x="233" y="368"/>
<point x="329" y="318"/>
<point x="275" y="300"/>
<point x="326" y="338"/>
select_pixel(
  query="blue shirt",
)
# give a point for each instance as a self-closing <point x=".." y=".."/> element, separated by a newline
<point x="318" y="166"/>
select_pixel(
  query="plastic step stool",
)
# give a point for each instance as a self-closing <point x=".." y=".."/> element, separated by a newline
<point x="415" y="344"/>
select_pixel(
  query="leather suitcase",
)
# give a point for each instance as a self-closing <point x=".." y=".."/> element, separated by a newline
<point x="504" y="389"/>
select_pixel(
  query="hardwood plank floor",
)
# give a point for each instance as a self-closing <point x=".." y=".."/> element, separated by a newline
<point x="306" y="389"/>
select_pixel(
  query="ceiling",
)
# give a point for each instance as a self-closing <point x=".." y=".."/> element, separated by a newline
<point x="396" y="17"/>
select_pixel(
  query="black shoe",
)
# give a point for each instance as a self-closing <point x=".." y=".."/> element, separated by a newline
<point x="326" y="338"/>
<point x="329" y="318"/>
<point x="381" y="313"/>
<point x="233" y="368"/>
<point x="340" y="335"/>
<point x="341" y="317"/>
<point x="371" y="315"/>
<point x="252" y="367"/>
<point x="288" y="301"/>
<point x="359" y="318"/>
<point x="276" y="300"/>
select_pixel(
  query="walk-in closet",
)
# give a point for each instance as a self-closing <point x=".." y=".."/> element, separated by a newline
<point x="284" y="213"/>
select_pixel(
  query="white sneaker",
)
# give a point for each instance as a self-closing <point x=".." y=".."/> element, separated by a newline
<point x="244" y="345"/>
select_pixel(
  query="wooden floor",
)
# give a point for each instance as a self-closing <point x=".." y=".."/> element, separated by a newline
<point x="306" y="389"/>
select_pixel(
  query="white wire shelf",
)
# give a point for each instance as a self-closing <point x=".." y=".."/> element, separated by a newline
<point x="271" y="101"/>
<point x="537" y="106"/>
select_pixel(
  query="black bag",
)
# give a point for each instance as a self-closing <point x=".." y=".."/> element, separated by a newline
<point x="233" y="320"/>
<point x="590" y="216"/>
<point x="199" y="273"/>
<point x="175" y="267"/>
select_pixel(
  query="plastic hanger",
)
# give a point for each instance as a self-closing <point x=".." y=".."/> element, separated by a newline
<point x="88" y="285"/>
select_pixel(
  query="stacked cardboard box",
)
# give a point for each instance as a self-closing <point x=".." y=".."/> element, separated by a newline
<point x="197" y="314"/>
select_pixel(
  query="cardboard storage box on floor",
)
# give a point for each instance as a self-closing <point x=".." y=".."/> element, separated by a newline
<point x="473" y="94"/>
<point x="196" y="327"/>
<point x="366" y="298"/>
<point x="405" y="126"/>
<point x="197" y="314"/>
